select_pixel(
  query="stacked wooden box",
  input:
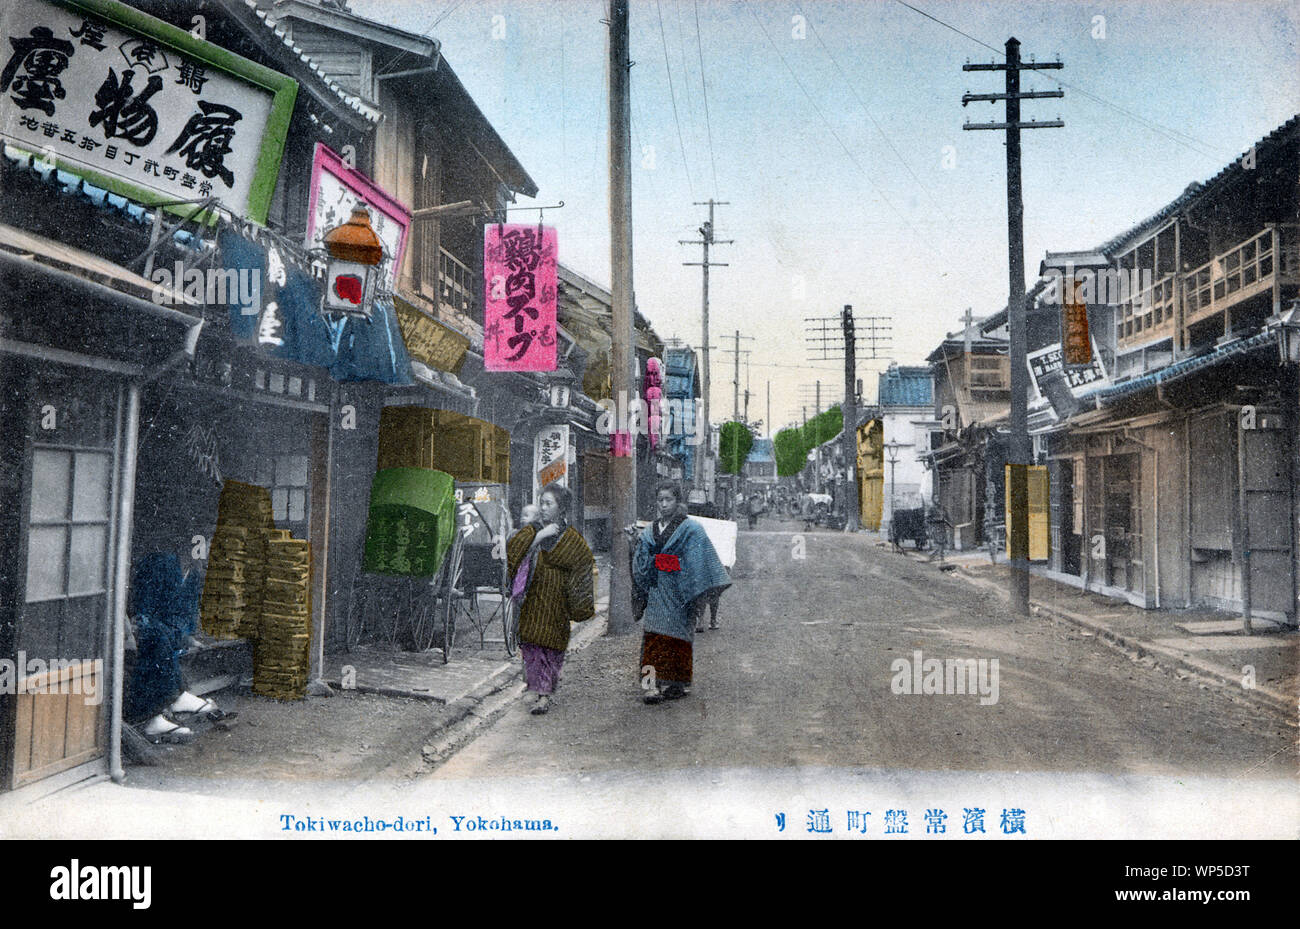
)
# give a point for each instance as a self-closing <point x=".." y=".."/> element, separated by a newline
<point x="281" y="663"/>
<point x="232" y="589"/>
<point x="222" y="608"/>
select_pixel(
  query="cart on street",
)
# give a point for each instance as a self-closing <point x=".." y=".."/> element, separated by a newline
<point x="406" y="593"/>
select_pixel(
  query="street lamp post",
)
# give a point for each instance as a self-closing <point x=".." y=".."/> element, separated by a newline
<point x="893" y="449"/>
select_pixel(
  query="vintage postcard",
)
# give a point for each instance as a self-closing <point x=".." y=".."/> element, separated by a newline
<point x="826" y="420"/>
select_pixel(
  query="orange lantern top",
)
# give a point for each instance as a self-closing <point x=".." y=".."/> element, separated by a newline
<point x="355" y="240"/>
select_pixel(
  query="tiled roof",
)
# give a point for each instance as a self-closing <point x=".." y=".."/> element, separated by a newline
<point x="680" y="363"/>
<point x="1185" y="367"/>
<point x="352" y="101"/>
<point x="906" y="386"/>
<point x="1196" y="189"/>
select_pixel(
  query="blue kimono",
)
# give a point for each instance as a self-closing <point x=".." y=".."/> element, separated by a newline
<point x="688" y="567"/>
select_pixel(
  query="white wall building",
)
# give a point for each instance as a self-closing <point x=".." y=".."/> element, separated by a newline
<point x="906" y="401"/>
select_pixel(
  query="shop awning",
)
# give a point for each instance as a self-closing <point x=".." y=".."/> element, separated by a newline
<point x="1184" y="368"/>
<point x="372" y="349"/>
<point x="79" y="304"/>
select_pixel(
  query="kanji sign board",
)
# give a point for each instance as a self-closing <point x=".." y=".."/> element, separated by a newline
<point x="550" y="458"/>
<point x="140" y="107"/>
<point x="519" y="267"/>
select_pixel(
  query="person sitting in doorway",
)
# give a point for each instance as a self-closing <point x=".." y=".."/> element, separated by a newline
<point x="165" y="614"/>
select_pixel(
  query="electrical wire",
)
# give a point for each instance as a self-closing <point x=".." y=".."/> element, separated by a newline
<point x="681" y="144"/>
<point x="1172" y="134"/>
<point x="880" y="129"/>
<point x="704" y="85"/>
<point x="847" y="151"/>
<point x="428" y="33"/>
<point x="686" y="78"/>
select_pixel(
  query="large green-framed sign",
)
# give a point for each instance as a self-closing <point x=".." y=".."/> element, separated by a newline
<point x="139" y="106"/>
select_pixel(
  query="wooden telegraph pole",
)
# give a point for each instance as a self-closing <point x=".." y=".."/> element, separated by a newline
<point x="706" y="239"/>
<point x="849" y="435"/>
<point x="1020" y="450"/>
<point x="622" y="465"/>
<point x="823" y="340"/>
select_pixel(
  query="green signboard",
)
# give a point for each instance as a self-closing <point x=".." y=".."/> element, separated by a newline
<point x="140" y="107"/>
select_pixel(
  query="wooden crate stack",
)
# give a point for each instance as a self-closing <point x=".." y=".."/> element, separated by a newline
<point x="222" y="608"/>
<point x="281" y="663"/>
<point x="232" y="588"/>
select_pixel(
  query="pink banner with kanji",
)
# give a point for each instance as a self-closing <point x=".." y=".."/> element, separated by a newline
<point x="519" y="263"/>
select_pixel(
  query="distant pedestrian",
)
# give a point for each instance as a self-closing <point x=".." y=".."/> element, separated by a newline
<point x="553" y="584"/>
<point x="755" y="508"/>
<point x="937" y="525"/>
<point x="678" y="569"/>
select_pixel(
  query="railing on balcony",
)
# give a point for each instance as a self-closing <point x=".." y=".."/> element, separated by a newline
<point x="1242" y="272"/>
<point x="1148" y="315"/>
<point x="455" y="284"/>
<point x="988" y="379"/>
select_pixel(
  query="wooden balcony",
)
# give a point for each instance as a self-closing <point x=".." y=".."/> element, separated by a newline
<point x="1148" y="315"/>
<point x="1271" y="256"/>
<point x="455" y="285"/>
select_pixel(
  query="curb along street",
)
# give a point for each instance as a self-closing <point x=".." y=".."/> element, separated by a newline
<point x="1184" y="666"/>
<point x="472" y="713"/>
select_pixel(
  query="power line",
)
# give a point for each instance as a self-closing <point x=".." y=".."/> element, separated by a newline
<point x="1172" y="134"/>
<point x="392" y="65"/>
<point x="874" y="122"/>
<point x="686" y="78"/>
<point x="681" y="144"/>
<point x="705" y="87"/>
<point x="847" y="151"/>
<point x="639" y="125"/>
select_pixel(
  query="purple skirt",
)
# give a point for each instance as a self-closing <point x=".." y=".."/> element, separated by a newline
<point x="541" y="667"/>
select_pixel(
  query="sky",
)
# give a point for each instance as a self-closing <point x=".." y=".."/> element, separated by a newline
<point x="833" y="130"/>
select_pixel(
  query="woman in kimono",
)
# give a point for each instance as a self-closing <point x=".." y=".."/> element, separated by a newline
<point x="676" y="568"/>
<point x="553" y="585"/>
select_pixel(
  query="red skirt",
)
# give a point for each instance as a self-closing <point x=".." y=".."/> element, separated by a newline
<point x="670" y="658"/>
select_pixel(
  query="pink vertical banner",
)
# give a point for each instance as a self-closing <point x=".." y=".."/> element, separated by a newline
<point x="519" y="263"/>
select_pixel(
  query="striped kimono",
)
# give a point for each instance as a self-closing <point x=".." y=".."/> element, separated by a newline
<point x="561" y="588"/>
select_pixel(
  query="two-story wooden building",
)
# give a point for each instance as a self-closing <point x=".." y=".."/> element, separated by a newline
<point x="972" y="393"/>
<point x="158" y="340"/>
<point x="1185" y="467"/>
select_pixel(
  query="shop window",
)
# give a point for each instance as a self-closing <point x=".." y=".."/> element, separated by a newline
<point x="285" y="476"/>
<point x="287" y="385"/>
<point x="67" y="541"/>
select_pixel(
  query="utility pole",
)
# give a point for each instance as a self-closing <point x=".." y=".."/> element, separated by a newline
<point x="735" y="379"/>
<point x="826" y="335"/>
<point x="735" y="398"/>
<point x="805" y="429"/>
<point x="849" y="435"/>
<point x="817" y="448"/>
<point x="1019" y="450"/>
<point x="767" y="423"/>
<point x="706" y="239"/>
<point x="622" y="465"/>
